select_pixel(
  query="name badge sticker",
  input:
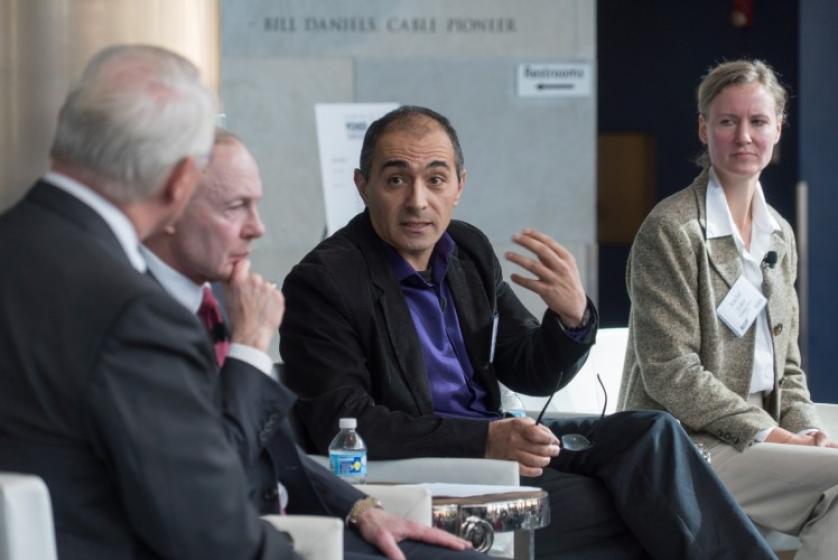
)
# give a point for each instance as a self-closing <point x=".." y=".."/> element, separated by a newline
<point x="741" y="306"/>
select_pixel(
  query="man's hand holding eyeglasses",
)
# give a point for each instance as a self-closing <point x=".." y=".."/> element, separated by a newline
<point x="520" y="439"/>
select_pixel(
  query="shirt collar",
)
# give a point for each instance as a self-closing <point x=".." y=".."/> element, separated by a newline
<point x="438" y="262"/>
<point x="182" y="289"/>
<point x="119" y="223"/>
<point x="719" y="220"/>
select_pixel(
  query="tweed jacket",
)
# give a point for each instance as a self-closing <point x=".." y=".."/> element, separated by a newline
<point x="680" y="356"/>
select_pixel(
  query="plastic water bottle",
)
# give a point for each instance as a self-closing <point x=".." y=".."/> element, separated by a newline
<point x="511" y="403"/>
<point x="348" y="454"/>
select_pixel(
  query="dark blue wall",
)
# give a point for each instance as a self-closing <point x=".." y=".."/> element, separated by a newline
<point x="818" y="153"/>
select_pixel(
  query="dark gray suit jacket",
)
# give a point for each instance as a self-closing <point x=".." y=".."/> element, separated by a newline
<point x="350" y="347"/>
<point x="110" y="394"/>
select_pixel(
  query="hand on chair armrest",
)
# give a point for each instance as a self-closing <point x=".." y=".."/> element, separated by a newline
<point x="410" y="502"/>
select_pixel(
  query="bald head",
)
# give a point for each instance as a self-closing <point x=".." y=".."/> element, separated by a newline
<point x="222" y="219"/>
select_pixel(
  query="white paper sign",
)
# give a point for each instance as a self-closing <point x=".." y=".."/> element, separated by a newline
<point x="340" y="134"/>
<point x="741" y="306"/>
<point x="554" y="80"/>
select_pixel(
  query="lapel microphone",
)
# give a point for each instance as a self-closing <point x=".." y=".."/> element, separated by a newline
<point x="770" y="259"/>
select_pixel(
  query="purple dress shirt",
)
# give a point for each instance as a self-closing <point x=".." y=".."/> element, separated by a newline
<point x="454" y="391"/>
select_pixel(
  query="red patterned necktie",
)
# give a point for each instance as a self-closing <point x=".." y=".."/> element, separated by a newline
<point x="210" y="315"/>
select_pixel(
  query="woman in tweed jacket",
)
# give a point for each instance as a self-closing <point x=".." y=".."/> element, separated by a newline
<point x="738" y="390"/>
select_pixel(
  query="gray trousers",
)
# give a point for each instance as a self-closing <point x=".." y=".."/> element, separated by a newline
<point x="787" y="488"/>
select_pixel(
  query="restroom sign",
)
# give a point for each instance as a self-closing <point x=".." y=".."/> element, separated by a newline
<point x="554" y="80"/>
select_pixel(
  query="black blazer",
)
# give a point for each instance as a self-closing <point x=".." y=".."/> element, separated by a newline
<point x="110" y="394"/>
<point x="256" y="420"/>
<point x="255" y="410"/>
<point x="350" y="347"/>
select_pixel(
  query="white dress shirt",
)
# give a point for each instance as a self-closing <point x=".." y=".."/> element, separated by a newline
<point x="189" y="294"/>
<point x="719" y="224"/>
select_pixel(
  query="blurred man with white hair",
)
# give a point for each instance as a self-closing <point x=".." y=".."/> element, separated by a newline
<point x="106" y="393"/>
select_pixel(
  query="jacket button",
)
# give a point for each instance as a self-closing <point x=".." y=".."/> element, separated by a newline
<point x="778" y="328"/>
<point x="271" y="494"/>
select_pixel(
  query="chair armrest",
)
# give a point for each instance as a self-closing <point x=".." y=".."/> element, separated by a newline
<point x="828" y="413"/>
<point x="26" y="527"/>
<point x="410" y="502"/>
<point x="439" y="469"/>
<point x="315" y="537"/>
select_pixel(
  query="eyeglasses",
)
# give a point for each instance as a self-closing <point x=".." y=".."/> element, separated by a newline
<point x="578" y="442"/>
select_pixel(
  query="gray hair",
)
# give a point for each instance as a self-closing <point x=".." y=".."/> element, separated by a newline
<point x="734" y="73"/>
<point x="135" y="112"/>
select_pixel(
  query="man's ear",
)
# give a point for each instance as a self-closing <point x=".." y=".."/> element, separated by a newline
<point x="461" y="182"/>
<point x="360" y="184"/>
<point x="180" y="183"/>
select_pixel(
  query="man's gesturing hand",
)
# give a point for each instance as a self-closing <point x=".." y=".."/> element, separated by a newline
<point x="521" y="440"/>
<point x="385" y="530"/>
<point x="254" y="306"/>
<point x="556" y="279"/>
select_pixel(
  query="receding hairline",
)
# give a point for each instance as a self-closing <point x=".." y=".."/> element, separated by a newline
<point x="224" y="137"/>
<point x="411" y="118"/>
<point x="417" y="126"/>
<point x="228" y="150"/>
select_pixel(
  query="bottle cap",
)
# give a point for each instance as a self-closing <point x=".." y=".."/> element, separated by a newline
<point x="347" y="424"/>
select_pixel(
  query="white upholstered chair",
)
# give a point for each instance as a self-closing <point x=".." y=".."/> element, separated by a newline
<point x="27" y="531"/>
<point x="583" y="395"/>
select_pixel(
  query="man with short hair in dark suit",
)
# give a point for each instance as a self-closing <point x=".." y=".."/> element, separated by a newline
<point x="402" y="320"/>
<point x="109" y="387"/>
<point x="211" y="243"/>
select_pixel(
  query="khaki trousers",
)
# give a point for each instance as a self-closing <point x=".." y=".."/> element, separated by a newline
<point x="788" y="488"/>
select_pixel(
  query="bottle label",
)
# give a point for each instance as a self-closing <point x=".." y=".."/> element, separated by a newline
<point x="349" y="463"/>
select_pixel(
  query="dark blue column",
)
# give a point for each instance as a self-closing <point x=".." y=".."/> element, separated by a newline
<point x="819" y="168"/>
